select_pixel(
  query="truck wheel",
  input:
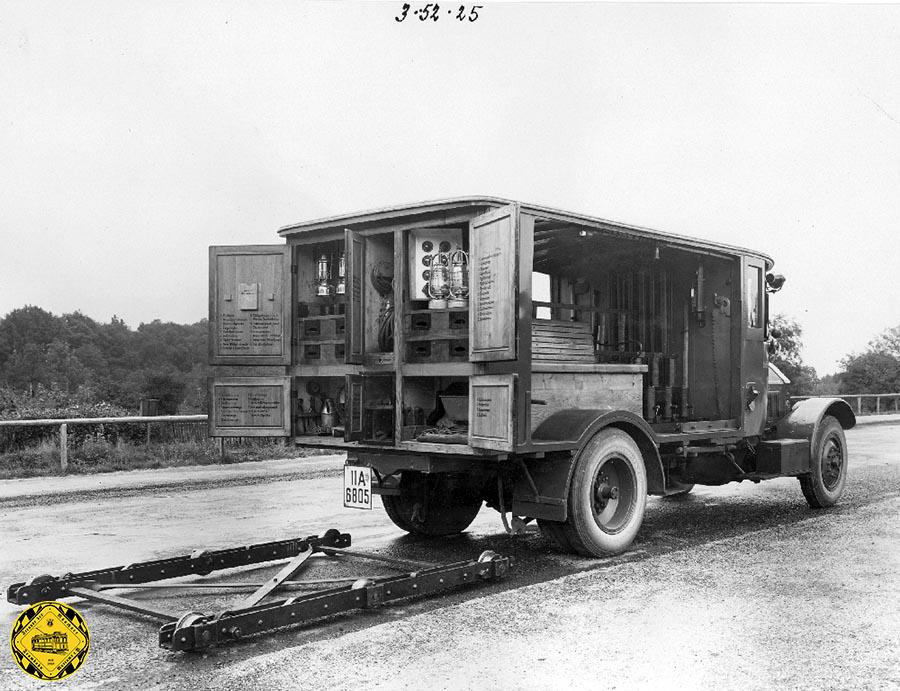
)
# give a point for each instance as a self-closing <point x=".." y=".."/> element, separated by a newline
<point x="431" y="505"/>
<point x="827" y="476"/>
<point x="607" y="495"/>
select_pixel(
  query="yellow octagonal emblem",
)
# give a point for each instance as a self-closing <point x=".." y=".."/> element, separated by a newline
<point x="49" y="641"/>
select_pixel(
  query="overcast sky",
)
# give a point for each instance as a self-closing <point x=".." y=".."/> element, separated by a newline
<point x="134" y="135"/>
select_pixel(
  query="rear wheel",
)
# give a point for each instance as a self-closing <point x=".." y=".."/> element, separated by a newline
<point x="432" y="505"/>
<point x="607" y="495"/>
<point x="827" y="477"/>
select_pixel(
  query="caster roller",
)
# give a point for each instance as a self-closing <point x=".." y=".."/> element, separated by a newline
<point x="184" y="637"/>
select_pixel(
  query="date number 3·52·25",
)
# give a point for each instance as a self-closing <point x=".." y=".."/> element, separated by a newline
<point x="433" y="11"/>
<point x="357" y="487"/>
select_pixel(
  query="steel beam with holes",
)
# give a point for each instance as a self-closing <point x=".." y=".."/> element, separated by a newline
<point x="194" y="631"/>
<point x="197" y="563"/>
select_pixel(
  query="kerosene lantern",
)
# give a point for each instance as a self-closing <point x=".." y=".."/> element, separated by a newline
<point x="323" y="275"/>
<point x="459" y="280"/>
<point x="438" y="287"/>
<point x="342" y="274"/>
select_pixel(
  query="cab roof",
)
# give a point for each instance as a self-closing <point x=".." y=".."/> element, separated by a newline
<point x="439" y="211"/>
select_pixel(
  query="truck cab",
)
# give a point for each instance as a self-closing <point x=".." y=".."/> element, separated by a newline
<point x="480" y="350"/>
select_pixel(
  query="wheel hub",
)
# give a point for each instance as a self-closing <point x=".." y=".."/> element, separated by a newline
<point x="832" y="463"/>
<point x="605" y="492"/>
<point x="613" y="495"/>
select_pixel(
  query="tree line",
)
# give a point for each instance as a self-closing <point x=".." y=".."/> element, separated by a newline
<point x="875" y="370"/>
<point x="73" y="360"/>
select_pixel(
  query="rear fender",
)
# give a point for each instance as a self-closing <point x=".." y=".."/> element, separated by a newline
<point x="552" y="475"/>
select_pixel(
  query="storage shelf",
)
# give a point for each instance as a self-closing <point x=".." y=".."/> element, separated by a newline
<point x="458" y="310"/>
<point x="321" y="317"/>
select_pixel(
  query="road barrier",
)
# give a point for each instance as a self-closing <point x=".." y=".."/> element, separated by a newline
<point x="63" y="424"/>
<point x="884" y="403"/>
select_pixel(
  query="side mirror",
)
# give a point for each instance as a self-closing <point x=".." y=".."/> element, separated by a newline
<point x="774" y="282"/>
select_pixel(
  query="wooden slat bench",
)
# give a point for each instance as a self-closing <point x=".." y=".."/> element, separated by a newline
<point x="561" y="341"/>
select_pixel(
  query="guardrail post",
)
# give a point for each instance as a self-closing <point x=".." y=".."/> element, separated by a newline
<point x="877" y="405"/>
<point x="859" y="405"/>
<point x="63" y="447"/>
<point x="147" y="441"/>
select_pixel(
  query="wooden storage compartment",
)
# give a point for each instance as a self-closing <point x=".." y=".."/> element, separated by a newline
<point x="322" y="329"/>
<point x="378" y="299"/>
<point x="370" y="408"/>
<point x="321" y="304"/>
<point x="436" y="335"/>
<point x="435" y="409"/>
<point x="314" y="397"/>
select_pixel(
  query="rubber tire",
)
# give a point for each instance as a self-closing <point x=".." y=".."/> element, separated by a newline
<point x="583" y="532"/>
<point x="447" y="513"/>
<point x="817" y="494"/>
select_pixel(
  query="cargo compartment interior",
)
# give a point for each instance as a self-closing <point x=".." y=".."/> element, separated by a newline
<point x="601" y="297"/>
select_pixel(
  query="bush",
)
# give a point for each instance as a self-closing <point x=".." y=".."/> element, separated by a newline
<point x="54" y="405"/>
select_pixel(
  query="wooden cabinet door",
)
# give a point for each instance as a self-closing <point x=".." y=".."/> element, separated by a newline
<point x="250" y="407"/>
<point x="492" y="411"/>
<point x="355" y="407"/>
<point x="494" y="282"/>
<point x="355" y="329"/>
<point x="250" y="305"/>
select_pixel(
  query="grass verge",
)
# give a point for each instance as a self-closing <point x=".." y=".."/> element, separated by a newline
<point x="101" y="456"/>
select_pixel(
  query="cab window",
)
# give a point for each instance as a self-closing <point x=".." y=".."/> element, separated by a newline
<point x="754" y="295"/>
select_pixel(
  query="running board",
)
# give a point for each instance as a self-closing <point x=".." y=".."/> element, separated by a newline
<point x="250" y="615"/>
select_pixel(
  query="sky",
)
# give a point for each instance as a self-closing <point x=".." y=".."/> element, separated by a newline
<point x="133" y="135"/>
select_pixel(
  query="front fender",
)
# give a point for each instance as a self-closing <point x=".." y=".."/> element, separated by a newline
<point x="805" y="417"/>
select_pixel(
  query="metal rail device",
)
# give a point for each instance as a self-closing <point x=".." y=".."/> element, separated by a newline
<point x="266" y="608"/>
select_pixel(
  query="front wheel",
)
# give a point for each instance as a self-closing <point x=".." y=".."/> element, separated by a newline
<point x="607" y="495"/>
<point x="827" y="477"/>
<point x="432" y="505"/>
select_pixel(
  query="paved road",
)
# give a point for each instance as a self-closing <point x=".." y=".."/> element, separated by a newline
<point x="735" y="587"/>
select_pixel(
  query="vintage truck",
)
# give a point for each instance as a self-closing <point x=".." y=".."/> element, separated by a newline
<point x="552" y="365"/>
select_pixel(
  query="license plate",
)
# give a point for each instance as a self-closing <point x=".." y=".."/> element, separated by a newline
<point x="357" y="487"/>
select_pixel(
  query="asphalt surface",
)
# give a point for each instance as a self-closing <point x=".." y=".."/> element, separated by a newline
<point x="739" y="586"/>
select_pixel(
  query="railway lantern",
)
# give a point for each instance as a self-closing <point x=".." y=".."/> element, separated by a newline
<point x="438" y="280"/>
<point x="323" y="288"/>
<point x="459" y="280"/>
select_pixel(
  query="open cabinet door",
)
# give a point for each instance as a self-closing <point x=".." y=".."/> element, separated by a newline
<point x="250" y="407"/>
<point x="492" y="411"/>
<point x="250" y="305"/>
<point x="355" y="408"/>
<point x="494" y="281"/>
<point x="355" y="247"/>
